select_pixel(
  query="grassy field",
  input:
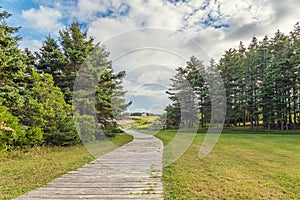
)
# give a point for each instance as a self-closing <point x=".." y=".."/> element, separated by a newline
<point x="241" y="166"/>
<point x="22" y="171"/>
<point x="140" y="122"/>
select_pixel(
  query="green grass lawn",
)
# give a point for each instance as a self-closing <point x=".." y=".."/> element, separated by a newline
<point x="22" y="171"/>
<point x="241" y="166"/>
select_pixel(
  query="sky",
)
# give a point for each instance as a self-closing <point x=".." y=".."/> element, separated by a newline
<point x="150" y="38"/>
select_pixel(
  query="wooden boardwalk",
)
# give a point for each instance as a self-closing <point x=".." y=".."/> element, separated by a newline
<point x="132" y="171"/>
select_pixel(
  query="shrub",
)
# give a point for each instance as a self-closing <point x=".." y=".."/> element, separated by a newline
<point x="111" y="129"/>
<point x="12" y="136"/>
<point x="34" y="136"/>
<point x="61" y="131"/>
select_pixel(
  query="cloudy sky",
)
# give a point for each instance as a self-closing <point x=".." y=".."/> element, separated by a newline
<point x="149" y="38"/>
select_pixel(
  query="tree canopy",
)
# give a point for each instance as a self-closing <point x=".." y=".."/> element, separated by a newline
<point x="36" y="89"/>
<point x="261" y="82"/>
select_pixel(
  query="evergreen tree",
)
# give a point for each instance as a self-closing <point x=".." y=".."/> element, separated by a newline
<point x="12" y="67"/>
<point x="48" y="110"/>
<point x="263" y="81"/>
<point x="188" y="93"/>
<point x="76" y="47"/>
<point x="98" y="90"/>
<point x="51" y="59"/>
<point x="173" y="115"/>
<point x="294" y="60"/>
<point x="13" y="93"/>
<point x="76" y="52"/>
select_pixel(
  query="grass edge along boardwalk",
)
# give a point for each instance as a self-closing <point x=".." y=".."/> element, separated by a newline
<point x="132" y="171"/>
<point x="24" y="170"/>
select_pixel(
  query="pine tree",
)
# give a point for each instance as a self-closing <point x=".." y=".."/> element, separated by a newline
<point x="187" y="94"/>
<point x="12" y="64"/>
<point x="51" y="59"/>
<point x="13" y="93"/>
<point x="76" y="47"/>
<point x="12" y="68"/>
<point x="98" y="90"/>
<point x="294" y="60"/>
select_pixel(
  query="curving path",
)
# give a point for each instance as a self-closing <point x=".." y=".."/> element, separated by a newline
<point x="132" y="171"/>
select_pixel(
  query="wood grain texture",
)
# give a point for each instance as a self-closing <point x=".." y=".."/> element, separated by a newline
<point x="132" y="171"/>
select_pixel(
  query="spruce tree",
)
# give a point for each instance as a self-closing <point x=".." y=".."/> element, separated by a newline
<point x="76" y="47"/>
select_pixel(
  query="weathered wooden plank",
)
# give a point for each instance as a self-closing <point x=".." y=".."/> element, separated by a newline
<point x="103" y="179"/>
<point x="76" y="197"/>
<point x="131" y="172"/>
<point x="108" y="184"/>
<point x="99" y="185"/>
<point x="93" y="191"/>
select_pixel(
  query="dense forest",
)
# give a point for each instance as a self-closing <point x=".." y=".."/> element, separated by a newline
<point x="262" y="85"/>
<point x="36" y="90"/>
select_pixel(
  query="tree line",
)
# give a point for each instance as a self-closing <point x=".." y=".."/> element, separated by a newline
<point x="262" y="84"/>
<point x="36" y="90"/>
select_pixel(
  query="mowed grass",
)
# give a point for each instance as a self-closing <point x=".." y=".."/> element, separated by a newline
<point x="22" y="171"/>
<point x="241" y="166"/>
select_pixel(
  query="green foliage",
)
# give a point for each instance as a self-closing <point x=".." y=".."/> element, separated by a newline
<point x="11" y="135"/>
<point x="262" y="82"/>
<point x="188" y="93"/>
<point x="173" y="115"/>
<point x="110" y="129"/>
<point x="76" y="46"/>
<point x="37" y="88"/>
<point x="12" y="64"/>
<point x="51" y="59"/>
<point x="79" y="53"/>
<point x="48" y="110"/>
<point x="12" y="68"/>
<point x="97" y="82"/>
<point x="262" y="85"/>
<point x="62" y="131"/>
<point x="35" y="136"/>
<point x="9" y="129"/>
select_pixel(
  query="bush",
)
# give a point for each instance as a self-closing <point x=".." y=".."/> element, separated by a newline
<point x="34" y="136"/>
<point x="12" y="136"/>
<point x="111" y="129"/>
<point x="61" y="131"/>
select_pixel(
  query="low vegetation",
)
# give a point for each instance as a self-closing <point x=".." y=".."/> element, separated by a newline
<point x="141" y="122"/>
<point x="22" y="171"/>
<point x="241" y="166"/>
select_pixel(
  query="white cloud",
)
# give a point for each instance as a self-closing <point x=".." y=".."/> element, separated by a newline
<point x="32" y="45"/>
<point x="211" y="28"/>
<point x="88" y="8"/>
<point x="148" y="84"/>
<point x="105" y="28"/>
<point x="198" y="19"/>
<point x="215" y="25"/>
<point x="43" y="19"/>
